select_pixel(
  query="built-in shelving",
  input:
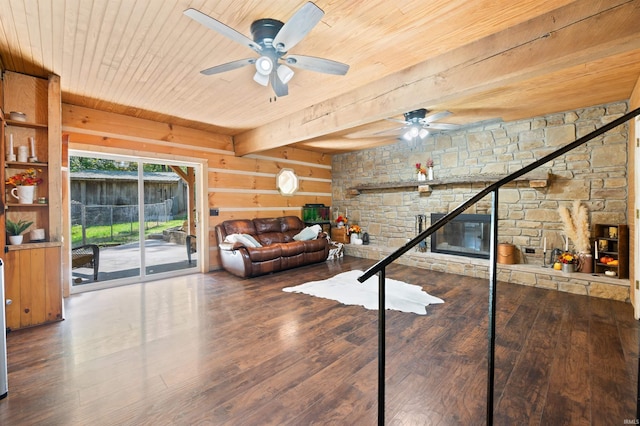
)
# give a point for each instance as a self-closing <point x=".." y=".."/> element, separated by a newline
<point x="27" y="165"/>
<point x="33" y="274"/>
<point x="26" y="124"/>
<point x="32" y="245"/>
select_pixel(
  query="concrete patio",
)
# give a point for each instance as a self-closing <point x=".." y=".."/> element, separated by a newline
<point x="124" y="261"/>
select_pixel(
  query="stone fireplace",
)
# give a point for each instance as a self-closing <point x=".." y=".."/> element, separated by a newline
<point x="466" y="235"/>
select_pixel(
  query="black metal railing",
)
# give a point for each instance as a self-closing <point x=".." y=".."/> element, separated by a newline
<point x="379" y="267"/>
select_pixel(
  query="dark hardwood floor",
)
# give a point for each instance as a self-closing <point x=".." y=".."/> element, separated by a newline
<point x="215" y="349"/>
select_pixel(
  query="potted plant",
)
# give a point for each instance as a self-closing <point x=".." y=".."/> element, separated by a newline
<point x="430" y="168"/>
<point x="568" y="261"/>
<point x="354" y="232"/>
<point x="576" y="227"/>
<point x="15" y="230"/>
<point x="421" y="171"/>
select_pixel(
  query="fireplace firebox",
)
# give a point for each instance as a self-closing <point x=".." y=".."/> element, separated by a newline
<point x="465" y="235"/>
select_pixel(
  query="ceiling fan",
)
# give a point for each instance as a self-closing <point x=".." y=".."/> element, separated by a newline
<point x="417" y="124"/>
<point x="272" y="39"/>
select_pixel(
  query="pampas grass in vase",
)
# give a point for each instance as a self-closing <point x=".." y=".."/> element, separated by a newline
<point x="576" y="226"/>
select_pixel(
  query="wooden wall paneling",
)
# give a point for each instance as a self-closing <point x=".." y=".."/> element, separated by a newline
<point x="53" y="287"/>
<point x="256" y="200"/>
<point x="38" y="285"/>
<point x="99" y="143"/>
<point x="107" y="123"/>
<point x="219" y="162"/>
<point x="27" y="94"/>
<point x="251" y="213"/>
<point x="241" y="181"/>
<point x="12" y="290"/>
<point x="65" y="260"/>
<point x="54" y="147"/>
<point x="26" y="292"/>
<point x="248" y="181"/>
<point x="308" y="185"/>
<point x="241" y="187"/>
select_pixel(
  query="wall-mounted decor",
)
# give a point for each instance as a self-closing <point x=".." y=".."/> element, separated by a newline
<point x="287" y="182"/>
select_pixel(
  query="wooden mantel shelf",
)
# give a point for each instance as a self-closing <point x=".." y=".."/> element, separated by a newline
<point x="539" y="180"/>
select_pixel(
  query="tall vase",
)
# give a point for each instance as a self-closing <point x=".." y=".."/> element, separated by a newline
<point x="430" y="172"/>
<point x="24" y="193"/>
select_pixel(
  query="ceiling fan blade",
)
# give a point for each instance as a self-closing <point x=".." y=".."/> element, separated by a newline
<point x="228" y="66"/>
<point x="280" y="89"/>
<point x="311" y="63"/>
<point x="435" y="117"/>
<point x="221" y="28"/>
<point x="297" y="27"/>
<point x="395" y="120"/>
<point x="442" y="126"/>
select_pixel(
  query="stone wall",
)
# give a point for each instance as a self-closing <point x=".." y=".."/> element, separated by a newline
<point x="595" y="174"/>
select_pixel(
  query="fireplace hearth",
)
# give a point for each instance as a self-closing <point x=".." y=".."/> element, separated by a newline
<point x="466" y="235"/>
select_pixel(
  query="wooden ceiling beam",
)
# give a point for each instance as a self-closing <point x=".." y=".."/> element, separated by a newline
<point x="569" y="36"/>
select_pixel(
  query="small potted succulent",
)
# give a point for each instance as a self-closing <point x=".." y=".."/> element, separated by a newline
<point x="15" y="230"/>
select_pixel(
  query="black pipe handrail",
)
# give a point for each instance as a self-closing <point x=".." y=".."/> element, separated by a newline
<point x="507" y="179"/>
<point x="380" y="266"/>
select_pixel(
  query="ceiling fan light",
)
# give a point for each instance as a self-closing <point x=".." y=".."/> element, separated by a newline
<point x="414" y="131"/>
<point x="284" y="73"/>
<point x="264" y="65"/>
<point x="407" y="136"/>
<point x="261" y="78"/>
<point x="423" y="133"/>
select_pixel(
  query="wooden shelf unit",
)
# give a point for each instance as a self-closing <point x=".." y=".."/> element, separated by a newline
<point x="33" y="270"/>
<point x="340" y="235"/>
<point x="615" y="246"/>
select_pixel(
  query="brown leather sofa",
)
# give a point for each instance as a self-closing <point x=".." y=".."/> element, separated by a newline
<point x="279" y="251"/>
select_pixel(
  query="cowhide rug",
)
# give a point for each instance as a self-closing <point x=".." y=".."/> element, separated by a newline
<point x="345" y="288"/>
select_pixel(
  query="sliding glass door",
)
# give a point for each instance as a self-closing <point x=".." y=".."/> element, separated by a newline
<point x="130" y="220"/>
<point x="169" y="244"/>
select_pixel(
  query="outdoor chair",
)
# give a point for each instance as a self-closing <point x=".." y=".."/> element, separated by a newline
<point x="86" y="256"/>
<point x="191" y="246"/>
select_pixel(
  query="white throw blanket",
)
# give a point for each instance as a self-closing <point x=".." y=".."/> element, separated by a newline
<point x="345" y="288"/>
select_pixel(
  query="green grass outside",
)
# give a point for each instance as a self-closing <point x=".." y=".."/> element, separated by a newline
<point x="118" y="233"/>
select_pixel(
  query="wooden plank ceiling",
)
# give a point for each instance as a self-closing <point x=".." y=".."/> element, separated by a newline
<point x="480" y="59"/>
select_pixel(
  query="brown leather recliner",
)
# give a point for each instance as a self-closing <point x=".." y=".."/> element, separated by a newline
<point x="279" y="250"/>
